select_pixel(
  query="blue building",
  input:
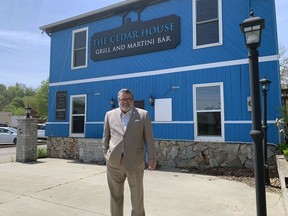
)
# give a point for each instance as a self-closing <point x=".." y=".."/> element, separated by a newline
<point x="185" y="60"/>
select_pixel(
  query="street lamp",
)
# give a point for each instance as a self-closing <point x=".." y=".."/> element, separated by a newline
<point x="265" y="83"/>
<point x="252" y="29"/>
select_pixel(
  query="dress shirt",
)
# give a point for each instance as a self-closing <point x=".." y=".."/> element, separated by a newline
<point x="125" y="117"/>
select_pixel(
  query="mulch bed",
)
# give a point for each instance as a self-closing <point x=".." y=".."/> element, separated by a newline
<point x="238" y="174"/>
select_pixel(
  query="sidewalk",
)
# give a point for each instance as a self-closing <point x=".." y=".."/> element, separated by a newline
<point x="65" y="187"/>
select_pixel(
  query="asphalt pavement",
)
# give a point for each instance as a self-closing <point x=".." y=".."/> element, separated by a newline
<point x="66" y="187"/>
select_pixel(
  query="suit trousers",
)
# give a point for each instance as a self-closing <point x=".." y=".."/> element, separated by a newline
<point x="116" y="177"/>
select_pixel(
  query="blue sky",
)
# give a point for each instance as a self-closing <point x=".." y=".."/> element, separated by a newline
<point x="24" y="51"/>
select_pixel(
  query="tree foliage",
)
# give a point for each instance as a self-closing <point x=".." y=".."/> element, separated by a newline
<point x="16" y="98"/>
<point x="39" y="102"/>
<point x="283" y="60"/>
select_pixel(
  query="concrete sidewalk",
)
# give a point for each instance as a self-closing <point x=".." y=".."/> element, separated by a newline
<point x="66" y="187"/>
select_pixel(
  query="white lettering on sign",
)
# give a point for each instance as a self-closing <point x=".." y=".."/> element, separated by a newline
<point x="163" y="39"/>
<point x="140" y="44"/>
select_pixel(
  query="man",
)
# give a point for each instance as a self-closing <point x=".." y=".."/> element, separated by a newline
<point x="126" y="130"/>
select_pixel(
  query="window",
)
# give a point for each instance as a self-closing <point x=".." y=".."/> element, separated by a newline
<point x="139" y="104"/>
<point x="207" y="20"/>
<point x="79" y="48"/>
<point x="78" y="115"/>
<point x="208" y="112"/>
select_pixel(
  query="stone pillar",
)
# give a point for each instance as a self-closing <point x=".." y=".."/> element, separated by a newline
<point x="26" y="147"/>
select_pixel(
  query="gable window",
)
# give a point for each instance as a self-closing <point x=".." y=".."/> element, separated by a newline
<point x="207" y="23"/>
<point x="78" y="115"/>
<point x="79" y="48"/>
<point x="208" y="112"/>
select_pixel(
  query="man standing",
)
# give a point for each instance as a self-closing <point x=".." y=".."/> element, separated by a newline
<point x="126" y="130"/>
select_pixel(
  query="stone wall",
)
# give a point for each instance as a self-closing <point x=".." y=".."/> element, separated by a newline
<point x="169" y="153"/>
<point x="210" y="154"/>
<point x="90" y="151"/>
<point x="63" y="147"/>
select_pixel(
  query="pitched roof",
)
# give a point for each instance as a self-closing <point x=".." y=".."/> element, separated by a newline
<point x="119" y="8"/>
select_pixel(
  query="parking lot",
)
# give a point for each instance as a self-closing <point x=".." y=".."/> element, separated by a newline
<point x="8" y="151"/>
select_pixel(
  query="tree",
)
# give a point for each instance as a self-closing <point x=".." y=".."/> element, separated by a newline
<point x="16" y="98"/>
<point x="17" y="102"/>
<point x="39" y="102"/>
<point x="2" y="88"/>
<point x="283" y="60"/>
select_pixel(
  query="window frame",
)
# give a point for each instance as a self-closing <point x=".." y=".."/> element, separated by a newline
<point x="197" y="137"/>
<point x="73" y="51"/>
<point x="71" y="134"/>
<point x="194" y="21"/>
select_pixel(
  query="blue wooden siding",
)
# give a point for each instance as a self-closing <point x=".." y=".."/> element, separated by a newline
<point x="178" y="85"/>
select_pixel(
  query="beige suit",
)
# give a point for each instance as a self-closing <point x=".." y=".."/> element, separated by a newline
<point x="124" y="154"/>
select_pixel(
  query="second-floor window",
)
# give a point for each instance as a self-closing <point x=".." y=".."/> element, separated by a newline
<point x="207" y="23"/>
<point x="79" y="48"/>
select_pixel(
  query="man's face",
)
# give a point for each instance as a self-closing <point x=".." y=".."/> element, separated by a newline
<point x="125" y="102"/>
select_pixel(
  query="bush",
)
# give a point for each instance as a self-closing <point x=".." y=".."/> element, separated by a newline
<point x="283" y="149"/>
<point x="285" y="153"/>
<point x="42" y="152"/>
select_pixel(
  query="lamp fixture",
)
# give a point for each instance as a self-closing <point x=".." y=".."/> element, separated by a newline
<point x="265" y="83"/>
<point x="112" y="103"/>
<point x="252" y="28"/>
<point x="28" y="111"/>
<point x="151" y="100"/>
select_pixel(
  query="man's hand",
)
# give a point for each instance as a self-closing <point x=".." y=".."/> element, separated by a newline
<point x="152" y="164"/>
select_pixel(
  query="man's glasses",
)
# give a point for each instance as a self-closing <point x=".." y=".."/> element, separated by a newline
<point x="125" y="99"/>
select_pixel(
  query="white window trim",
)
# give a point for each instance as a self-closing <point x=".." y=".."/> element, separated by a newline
<point x="220" y="27"/>
<point x="70" y="125"/>
<point x="209" y="138"/>
<point x="72" y="52"/>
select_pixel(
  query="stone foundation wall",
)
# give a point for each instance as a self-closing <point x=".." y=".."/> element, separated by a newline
<point x="210" y="154"/>
<point x="90" y="151"/>
<point x="169" y="153"/>
<point x="63" y="147"/>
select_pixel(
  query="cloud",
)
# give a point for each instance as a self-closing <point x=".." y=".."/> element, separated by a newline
<point x="24" y="55"/>
<point x="24" y="45"/>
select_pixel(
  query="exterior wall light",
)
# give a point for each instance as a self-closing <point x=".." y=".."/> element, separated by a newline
<point x="151" y="100"/>
<point x="112" y="103"/>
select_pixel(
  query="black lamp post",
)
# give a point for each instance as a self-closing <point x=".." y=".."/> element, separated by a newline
<point x="252" y="29"/>
<point x="265" y="83"/>
<point x="28" y="111"/>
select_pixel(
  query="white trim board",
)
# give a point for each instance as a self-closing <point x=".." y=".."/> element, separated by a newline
<point x="165" y="71"/>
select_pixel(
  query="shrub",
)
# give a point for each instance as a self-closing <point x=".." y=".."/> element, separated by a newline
<point x="42" y="152"/>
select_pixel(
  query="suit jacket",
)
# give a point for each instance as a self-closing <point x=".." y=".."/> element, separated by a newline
<point x="130" y="142"/>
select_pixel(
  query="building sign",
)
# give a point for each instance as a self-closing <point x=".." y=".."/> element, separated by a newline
<point x="136" y="38"/>
<point x="61" y="105"/>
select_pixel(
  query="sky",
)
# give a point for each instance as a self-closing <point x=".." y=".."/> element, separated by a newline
<point x="25" y="51"/>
